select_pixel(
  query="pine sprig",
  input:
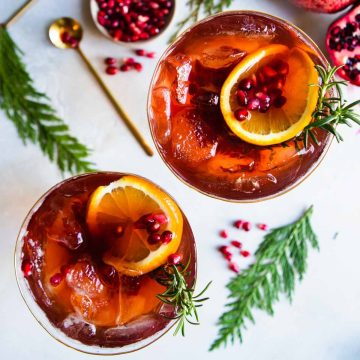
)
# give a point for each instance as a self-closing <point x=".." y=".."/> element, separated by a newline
<point x="280" y="261"/>
<point x="33" y="116"/>
<point x="197" y="8"/>
<point x="179" y="295"/>
<point x="330" y="111"/>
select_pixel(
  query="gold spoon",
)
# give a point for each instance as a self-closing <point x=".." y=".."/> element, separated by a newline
<point x="73" y="28"/>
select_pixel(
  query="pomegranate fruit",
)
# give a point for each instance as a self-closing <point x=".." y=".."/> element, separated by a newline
<point x="343" y="45"/>
<point x="324" y="6"/>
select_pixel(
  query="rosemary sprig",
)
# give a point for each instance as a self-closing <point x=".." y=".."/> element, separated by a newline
<point x="330" y="111"/>
<point x="198" y="7"/>
<point x="280" y="260"/>
<point x="179" y="295"/>
<point x="33" y="116"/>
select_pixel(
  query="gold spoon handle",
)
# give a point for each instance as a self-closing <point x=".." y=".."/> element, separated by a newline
<point x="117" y="106"/>
<point x="17" y="14"/>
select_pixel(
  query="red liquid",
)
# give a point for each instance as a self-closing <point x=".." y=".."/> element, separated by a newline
<point x="86" y="299"/>
<point x="188" y="126"/>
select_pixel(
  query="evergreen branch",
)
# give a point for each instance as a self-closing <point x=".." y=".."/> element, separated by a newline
<point x="179" y="295"/>
<point x="280" y="261"/>
<point x="33" y="116"/>
<point x="198" y="7"/>
<point x="330" y="111"/>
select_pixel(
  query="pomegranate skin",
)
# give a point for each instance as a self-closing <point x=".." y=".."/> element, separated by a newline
<point x="343" y="45"/>
<point x="323" y="6"/>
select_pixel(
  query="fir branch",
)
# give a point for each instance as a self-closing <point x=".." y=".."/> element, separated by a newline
<point x="198" y="7"/>
<point x="179" y="295"/>
<point x="280" y="261"/>
<point x="33" y="116"/>
<point x="330" y="111"/>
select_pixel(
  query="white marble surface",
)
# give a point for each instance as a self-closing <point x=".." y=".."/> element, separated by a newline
<point x="324" y="319"/>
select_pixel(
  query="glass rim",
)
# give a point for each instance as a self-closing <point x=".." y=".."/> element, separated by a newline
<point x="39" y="314"/>
<point x="329" y="139"/>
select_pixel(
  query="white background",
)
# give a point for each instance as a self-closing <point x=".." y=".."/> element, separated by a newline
<point x="324" y="320"/>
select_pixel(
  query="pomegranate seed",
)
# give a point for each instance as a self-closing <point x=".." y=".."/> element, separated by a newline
<point x="280" y="101"/>
<point x="151" y="55"/>
<point x="253" y="104"/>
<point x="246" y="84"/>
<point x="242" y="97"/>
<point x="234" y="267"/>
<point x="246" y="226"/>
<point x="138" y="67"/>
<point x="228" y="257"/>
<point x="263" y="227"/>
<point x="154" y="239"/>
<point x="160" y="218"/>
<point x="153" y="228"/>
<point x="65" y="269"/>
<point x="27" y="269"/>
<point x="109" y="274"/>
<point x="166" y="237"/>
<point x="237" y="244"/>
<point x="174" y="259"/>
<point x="238" y="223"/>
<point x="225" y="250"/>
<point x="224" y="234"/>
<point x="111" y="70"/>
<point x="281" y="67"/>
<point x="125" y="67"/>
<point x="244" y="253"/>
<point x="65" y="37"/>
<point x="129" y="61"/>
<point x="56" y="279"/>
<point x="241" y="114"/>
<point x="110" y="61"/>
<point x="269" y="72"/>
<point x="73" y="43"/>
<point x="140" y="52"/>
<point x="263" y="97"/>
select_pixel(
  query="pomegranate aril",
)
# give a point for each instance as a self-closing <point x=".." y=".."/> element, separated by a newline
<point x="153" y="227"/>
<point x="245" y="84"/>
<point x="151" y="55"/>
<point x="246" y="226"/>
<point x="228" y="257"/>
<point x="111" y="70"/>
<point x="174" y="259"/>
<point x="263" y="227"/>
<point x="224" y="234"/>
<point x="26" y="268"/>
<point x="253" y="104"/>
<point x="56" y="279"/>
<point x="263" y="97"/>
<point x="244" y="253"/>
<point x="238" y="223"/>
<point x="269" y="72"/>
<point x="137" y="66"/>
<point x="125" y="67"/>
<point x="280" y="101"/>
<point x="166" y="237"/>
<point x="154" y="239"/>
<point x="242" y="97"/>
<point x="234" y="267"/>
<point x="224" y="249"/>
<point x="110" y="61"/>
<point x="129" y="61"/>
<point x="236" y="244"/>
<point x="242" y="114"/>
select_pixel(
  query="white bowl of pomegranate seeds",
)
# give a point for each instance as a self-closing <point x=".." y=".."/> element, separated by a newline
<point x="132" y="21"/>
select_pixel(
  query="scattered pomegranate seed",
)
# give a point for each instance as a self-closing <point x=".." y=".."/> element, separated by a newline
<point x="225" y="250"/>
<point x="263" y="227"/>
<point x="125" y="67"/>
<point x="236" y="244"/>
<point x="224" y="234"/>
<point x="56" y="279"/>
<point x="129" y="61"/>
<point x="228" y="257"/>
<point x="27" y="269"/>
<point x="174" y="259"/>
<point x="246" y="226"/>
<point x="234" y="267"/>
<point x="138" y="67"/>
<point x="111" y="70"/>
<point x="151" y="55"/>
<point x="140" y="52"/>
<point x="241" y="114"/>
<point x="238" y="223"/>
<point x="110" y="61"/>
<point x="244" y="253"/>
<point x="166" y="237"/>
<point x="154" y="239"/>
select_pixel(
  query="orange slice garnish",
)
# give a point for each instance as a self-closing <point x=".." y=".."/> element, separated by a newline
<point x="277" y="124"/>
<point x="122" y="204"/>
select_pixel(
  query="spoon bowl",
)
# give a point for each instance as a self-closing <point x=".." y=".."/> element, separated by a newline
<point x="65" y="25"/>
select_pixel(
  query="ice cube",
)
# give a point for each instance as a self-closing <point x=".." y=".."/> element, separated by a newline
<point x="192" y="138"/>
<point x="160" y="112"/>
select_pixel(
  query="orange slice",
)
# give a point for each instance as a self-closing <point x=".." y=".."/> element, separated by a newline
<point x="278" y="124"/>
<point x="122" y="203"/>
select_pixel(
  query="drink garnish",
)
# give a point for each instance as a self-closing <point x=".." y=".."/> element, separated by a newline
<point x="330" y="111"/>
<point x="180" y="294"/>
<point x="279" y="261"/>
